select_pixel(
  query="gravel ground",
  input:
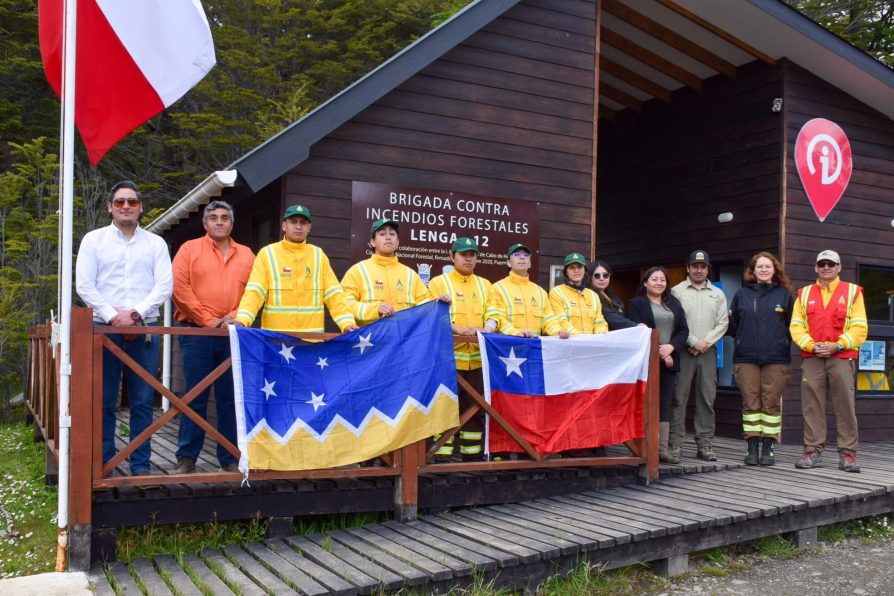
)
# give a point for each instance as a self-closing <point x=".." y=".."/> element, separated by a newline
<point x="840" y="569"/>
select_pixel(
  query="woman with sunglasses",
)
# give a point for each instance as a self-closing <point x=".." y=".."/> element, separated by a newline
<point x="655" y="306"/>
<point x="760" y="314"/>
<point x="599" y="276"/>
<point x="574" y="302"/>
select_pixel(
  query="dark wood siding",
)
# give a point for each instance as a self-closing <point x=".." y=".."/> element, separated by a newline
<point x="666" y="174"/>
<point x="508" y="113"/>
<point x="858" y="228"/>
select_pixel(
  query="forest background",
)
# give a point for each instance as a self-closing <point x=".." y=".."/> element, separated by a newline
<point x="276" y="61"/>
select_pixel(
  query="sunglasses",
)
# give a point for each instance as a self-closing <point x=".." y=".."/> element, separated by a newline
<point x="826" y="265"/>
<point x="130" y="202"/>
<point x="601" y="275"/>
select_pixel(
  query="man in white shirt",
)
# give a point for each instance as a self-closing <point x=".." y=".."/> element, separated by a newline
<point x="124" y="274"/>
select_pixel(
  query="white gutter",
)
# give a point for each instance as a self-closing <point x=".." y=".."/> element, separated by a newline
<point x="202" y="194"/>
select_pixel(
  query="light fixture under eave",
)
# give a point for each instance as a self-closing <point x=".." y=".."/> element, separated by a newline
<point x="728" y="217"/>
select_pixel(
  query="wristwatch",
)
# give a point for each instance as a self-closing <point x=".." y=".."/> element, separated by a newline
<point x="135" y="316"/>
<point x="839" y="346"/>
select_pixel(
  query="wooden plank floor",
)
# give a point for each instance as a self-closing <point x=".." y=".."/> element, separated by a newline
<point x="695" y="506"/>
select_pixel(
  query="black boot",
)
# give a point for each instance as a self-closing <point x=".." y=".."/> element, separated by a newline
<point x="752" y="456"/>
<point x="767" y="456"/>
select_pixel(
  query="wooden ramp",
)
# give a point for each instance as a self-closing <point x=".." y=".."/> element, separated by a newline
<point x="695" y="506"/>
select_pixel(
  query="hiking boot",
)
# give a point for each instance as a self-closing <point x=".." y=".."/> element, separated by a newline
<point x="706" y="453"/>
<point x="185" y="465"/>
<point x="752" y="457"/>
<point x="675" y="451"/>
<point x="810" y="459"/>
<point x="768" y="458"/>
<point x="847" y="461"/>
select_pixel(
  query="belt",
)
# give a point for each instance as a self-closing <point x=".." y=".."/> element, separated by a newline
<point x="147" y="320"/>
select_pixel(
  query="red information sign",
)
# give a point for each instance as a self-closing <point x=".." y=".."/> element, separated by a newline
<point x="823" y="159"/>
<point x="430" y="220"/>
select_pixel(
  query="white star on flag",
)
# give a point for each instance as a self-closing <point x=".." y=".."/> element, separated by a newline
<point x="364" y="343"/>
<point x="268" y="388"/>
<point x="513" y="364"/>
<point x="316" y="400"/>
<point x="322" y="362"/>
<point x="286" y="352"/>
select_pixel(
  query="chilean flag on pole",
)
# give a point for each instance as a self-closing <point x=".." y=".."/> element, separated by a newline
<point x="577" y="393"/>
<point x="134" y="59"/>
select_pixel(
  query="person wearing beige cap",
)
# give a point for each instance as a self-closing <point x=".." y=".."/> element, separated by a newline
<point x="292" y="280"/>
<point x="469" y="295"/>
<point x="708" y="318"/>
<point x="829" y="325"/>
<point x="574" y="302"/>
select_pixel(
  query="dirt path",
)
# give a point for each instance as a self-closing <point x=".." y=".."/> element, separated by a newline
<point x="848" y="567"/>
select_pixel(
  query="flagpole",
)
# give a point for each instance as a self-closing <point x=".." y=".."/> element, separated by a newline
<point x="68" y="110"/>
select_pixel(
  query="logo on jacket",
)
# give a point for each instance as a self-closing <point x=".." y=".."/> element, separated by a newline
<point x="400" y="285"/>
<point x="424" y="272"/>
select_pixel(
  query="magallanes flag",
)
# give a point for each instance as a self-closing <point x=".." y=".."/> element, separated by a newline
<point x="577" y="393"/>
<point x="303" y="405"/>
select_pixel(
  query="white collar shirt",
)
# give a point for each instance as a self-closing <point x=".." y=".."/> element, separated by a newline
<point x="114" y="271"/>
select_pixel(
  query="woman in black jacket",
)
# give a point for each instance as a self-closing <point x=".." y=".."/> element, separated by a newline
<point x="655" y="306"/>
<point x="599" y="274"/>
<point x="760" y="314"/>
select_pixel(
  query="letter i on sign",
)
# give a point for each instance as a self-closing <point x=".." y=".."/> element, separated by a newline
<point x="823" y="160"/>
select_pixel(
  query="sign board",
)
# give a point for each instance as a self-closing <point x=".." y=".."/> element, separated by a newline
<point x="872" y="356"/>
<point x="823" y="159"/>
<point x="430" y="220"/>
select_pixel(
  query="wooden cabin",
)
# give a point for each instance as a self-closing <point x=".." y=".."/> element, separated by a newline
<point x="624" y="130"/>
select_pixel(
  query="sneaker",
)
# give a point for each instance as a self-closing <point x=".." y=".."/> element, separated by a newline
<point x="810" y="459"/>
<point x="185" y="465"/>
<point x="847" y="462"/>
<point x="706" y="453"/>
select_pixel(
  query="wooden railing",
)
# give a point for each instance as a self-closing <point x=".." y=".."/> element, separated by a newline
<point x="42" y="396"/>
<point x="88" y="473"/>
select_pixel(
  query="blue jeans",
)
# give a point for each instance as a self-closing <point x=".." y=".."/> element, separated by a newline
<point x="201" y="355"/>
<point x="138" y="391"/>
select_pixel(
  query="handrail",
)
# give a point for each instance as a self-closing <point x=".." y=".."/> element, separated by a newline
<point x="405" y="465"/>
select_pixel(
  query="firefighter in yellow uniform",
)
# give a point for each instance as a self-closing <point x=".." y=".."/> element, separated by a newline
<point x="519" y="306"/>
<point x="574" y="302"/>
<point x="293" y="280"/>
<point x="381" y="285"/>
<point x="469" y="296"/>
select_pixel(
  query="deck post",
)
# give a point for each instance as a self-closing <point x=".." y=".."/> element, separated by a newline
<point x="406" y="486"/>
<point x="80" y="496"/>
<point x="803" y="539"/>
<point x="648" y="472"/>
<point x="673" y="565"/>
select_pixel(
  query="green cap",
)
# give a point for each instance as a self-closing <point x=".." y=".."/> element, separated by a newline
<point x="518" y="246"/>
<point x="464" y="245"/>
<point x="294" y="210"/>
<point x="381" y="223"/>
<point x="575" y="257"/>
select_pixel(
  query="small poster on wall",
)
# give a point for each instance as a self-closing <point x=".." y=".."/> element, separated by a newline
<point x="872" y="356"/>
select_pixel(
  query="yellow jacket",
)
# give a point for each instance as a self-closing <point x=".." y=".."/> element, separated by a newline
<point x="519" y="304"/>
<point x="856" y="326"/>
<point x="469" y="299"/>
<point x="292" y="281"/>
<point x="381" y="279"/>
<point x="582" y="311"/>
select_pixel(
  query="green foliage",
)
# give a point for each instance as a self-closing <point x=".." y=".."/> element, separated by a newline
<point x="587" y="579"/>
<point x="868" y="529"/>
<point x="777" y="547"/>
<point x="868" y="24"/>
<point x="27" y="505"/>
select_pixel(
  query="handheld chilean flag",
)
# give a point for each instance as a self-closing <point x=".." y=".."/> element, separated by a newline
<point x="582" y="392"/>
<point x="134" y="59"/>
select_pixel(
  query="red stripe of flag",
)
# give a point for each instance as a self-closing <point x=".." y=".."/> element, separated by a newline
<point x="580" y="420"/>
<point x="112" y="97"/>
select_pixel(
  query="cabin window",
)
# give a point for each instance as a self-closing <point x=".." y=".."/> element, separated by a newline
<point x="728" y="277"/>
<point x="875" y="367"/>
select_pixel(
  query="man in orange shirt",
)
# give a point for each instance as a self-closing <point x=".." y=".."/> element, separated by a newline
<point x="210" y="274"/>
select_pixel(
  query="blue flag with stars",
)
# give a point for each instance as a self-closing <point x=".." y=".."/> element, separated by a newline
<point x="304" y="405"/>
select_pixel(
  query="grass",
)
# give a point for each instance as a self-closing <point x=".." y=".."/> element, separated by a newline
<point x="27" y="505"/>
<point x="587" y="579"/>
<point x="868" y="529"/>
<point x="179" y="539"/>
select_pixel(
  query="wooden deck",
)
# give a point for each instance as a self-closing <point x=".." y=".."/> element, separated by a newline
<point x="695" y="506"/>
